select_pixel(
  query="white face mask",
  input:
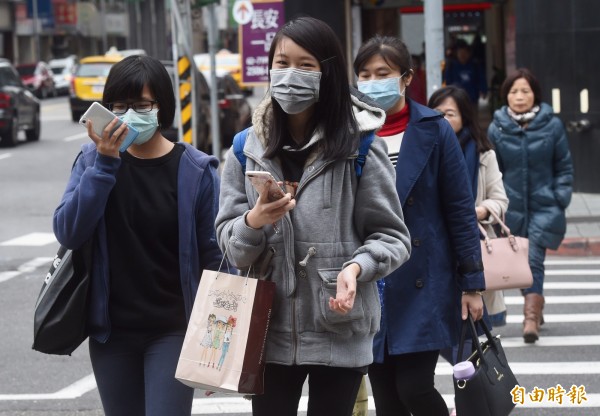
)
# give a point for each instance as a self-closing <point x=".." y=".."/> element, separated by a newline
<point x="295" y="89"/>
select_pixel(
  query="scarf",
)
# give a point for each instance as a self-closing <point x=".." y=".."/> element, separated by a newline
<point x="395" y="123"/>
<point x="523" y="118"/>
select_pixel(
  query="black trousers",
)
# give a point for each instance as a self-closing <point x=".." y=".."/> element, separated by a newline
<point x="404" y="384"/>
<point x="331" y="390"/>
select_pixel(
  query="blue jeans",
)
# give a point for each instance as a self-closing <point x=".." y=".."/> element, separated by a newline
<point x="135" y="374"/>
<point x="537" y="255"/>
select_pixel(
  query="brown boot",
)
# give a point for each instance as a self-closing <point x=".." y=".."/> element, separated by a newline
<point x="534" y="303"/>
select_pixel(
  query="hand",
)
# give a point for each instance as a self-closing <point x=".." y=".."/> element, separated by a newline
<point x="472" y="303"/>
<point x="265" y="212"/>
<point x="108" y="144"/>
<point x="482" y="213"/>
<point x="346" y="290"/>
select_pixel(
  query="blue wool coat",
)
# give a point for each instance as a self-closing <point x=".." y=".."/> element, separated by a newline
<point x="422" y="307"/>
<point x="537" y="173"/>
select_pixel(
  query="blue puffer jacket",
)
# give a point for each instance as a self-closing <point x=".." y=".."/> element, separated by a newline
<point x="81" y="213"/>
<point x="537" y="173"/>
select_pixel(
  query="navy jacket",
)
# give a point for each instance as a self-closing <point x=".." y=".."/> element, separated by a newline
<point x="537" y="173"/>
<point x="80" y="215"/>
<point x="422" y="298"/>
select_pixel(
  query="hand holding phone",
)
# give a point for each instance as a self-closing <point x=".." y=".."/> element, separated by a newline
<point x="260" y="179"/>
<point x="101" y="117"/>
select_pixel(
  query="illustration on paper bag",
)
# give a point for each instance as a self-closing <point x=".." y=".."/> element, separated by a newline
<point x="219" y="330"/>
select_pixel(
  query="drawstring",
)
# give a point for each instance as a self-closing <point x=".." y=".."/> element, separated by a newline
<point x="311" y="252"/>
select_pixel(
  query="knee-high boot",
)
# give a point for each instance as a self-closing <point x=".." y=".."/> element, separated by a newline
<point x="534" y="303"/>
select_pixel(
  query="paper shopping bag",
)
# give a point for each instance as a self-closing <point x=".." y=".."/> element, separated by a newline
<point x="224" y="344"/>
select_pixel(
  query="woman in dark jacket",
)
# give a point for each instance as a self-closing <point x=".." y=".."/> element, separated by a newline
<point x="533" y="154"/>
<point x="422" y="301"/>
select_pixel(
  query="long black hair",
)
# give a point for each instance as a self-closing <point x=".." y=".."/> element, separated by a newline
<point x="333" y="112"/>
<point x="471" y="128"/>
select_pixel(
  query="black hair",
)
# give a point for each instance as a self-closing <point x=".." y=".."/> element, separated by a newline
<point x="393" y="51"/>
<point x="467" y="113"/>
<point x="127" y="79"/>
<point x="529" y="77"/>
<point x="333" y="112"/>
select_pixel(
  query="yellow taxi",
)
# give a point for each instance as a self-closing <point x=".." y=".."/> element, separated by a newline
<point x="87" y="84"/>
<point x="226" y="62"/>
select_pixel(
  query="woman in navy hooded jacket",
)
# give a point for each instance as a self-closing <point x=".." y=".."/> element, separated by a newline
<point x="424" y="300"/>
<point x="149" y="211"/>
<point x="533" y="155"/>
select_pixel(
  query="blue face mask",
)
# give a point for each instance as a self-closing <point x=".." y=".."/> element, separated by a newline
<point x="145" y="123"/>
<point x="385" y="92"/>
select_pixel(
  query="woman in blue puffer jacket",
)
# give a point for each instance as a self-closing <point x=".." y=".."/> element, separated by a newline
<point x="533" y="155"/>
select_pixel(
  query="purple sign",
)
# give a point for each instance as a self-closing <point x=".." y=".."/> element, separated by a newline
<point x="255" y="39"/>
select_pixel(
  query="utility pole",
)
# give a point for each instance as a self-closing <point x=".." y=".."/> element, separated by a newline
<point x="434" y="43"/>
<point x="36" y="34"/>
<point x="214" y="108"/>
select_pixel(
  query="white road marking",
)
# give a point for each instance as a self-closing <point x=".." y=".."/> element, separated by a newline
<point x="573" y="272"/>
<point x="56" y="118"/>
<point x="74" y="137"/>
<point x="555" y="300"/>
<point x="572" y="262"/>
<point x="529" y="368"/>
<point x="75" y="390"/>
<point x="571" y="285"/>
<point x="28" y="267"/>
<point x="552" y="341"/>
<point x="31" y="239"/>
<point x="5" y="155"/>
<point x="559" y="318"/>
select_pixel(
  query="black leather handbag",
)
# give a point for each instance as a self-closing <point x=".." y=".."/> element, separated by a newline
<point x="488" y="391"/>
<point x="60" y="317"/>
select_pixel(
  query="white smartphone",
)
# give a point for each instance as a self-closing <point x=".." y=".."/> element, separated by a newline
<point x="101" y="117"/>
<point x="259" y="180"/>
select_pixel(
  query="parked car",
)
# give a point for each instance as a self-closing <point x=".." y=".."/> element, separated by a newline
<point x="202" y="112"/>
<point x="235" y="113"/>
<point x="87" y="84"/>
<point x="62" y="72"/>
<point x="226" y="61"/>
<point x="37" y="76"/>
<point x="19" y="108"/>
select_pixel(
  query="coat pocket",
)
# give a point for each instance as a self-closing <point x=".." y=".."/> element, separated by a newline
<point x="330" y="318"/>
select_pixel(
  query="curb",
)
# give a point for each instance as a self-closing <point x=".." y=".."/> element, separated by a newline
<point x="579" y="246"/>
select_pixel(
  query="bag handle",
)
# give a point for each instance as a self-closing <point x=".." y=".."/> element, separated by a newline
<point x="487" y="240"/>
<point x="469" y="324"/>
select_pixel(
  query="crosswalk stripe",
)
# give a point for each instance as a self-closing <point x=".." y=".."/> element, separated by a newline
<point x="74" y="137"/>
<point x="27" y="267"/>
<point x="552" y="341"/>
<point x="229" y="405"/>
<point x="569" y="262"/>
<point x="556" y="300"/>
<point x="5" y="155"/>
<point x="527" y="368"/>
<point x="559" y="318"/>
<point x="572" y="272"/>
<point x="571" y="285"/>
<point x="31" y="239"/>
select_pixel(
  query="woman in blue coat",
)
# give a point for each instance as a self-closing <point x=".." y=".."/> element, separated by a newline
<point x="424" y="300"/>
<point x="533" y="155"/>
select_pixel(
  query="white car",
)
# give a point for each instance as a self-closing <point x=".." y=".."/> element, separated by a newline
<point x="62" y="72"/>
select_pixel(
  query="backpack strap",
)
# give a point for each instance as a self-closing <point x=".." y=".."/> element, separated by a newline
<point x="363" y="150"/>
<point x="239" y="140"/>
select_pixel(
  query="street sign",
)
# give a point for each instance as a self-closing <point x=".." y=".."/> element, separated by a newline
<point x="255" y="39"/>
<point x="242" y="11"/>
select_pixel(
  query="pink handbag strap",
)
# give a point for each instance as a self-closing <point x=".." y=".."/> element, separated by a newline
<point x="511" y="238"/>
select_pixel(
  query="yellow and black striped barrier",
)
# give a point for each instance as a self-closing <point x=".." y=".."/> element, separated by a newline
<point x="185" y="97"/>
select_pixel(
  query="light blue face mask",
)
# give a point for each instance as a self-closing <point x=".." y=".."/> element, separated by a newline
<point x="385" y="92"/>
<point x="145" y="123"/>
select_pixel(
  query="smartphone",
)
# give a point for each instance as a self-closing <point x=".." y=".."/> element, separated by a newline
<point x="101" y="117"/>
<point x="259" y="180"/>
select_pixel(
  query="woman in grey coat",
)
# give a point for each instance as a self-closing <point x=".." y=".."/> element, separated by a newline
<point x="533" y="154"/>
<point x="336" y="233"/>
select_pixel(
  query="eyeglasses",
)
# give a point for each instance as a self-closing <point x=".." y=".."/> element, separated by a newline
<point x="139" y="106"/>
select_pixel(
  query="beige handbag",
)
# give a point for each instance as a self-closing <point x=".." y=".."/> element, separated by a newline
<point x="505" y="260"/>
